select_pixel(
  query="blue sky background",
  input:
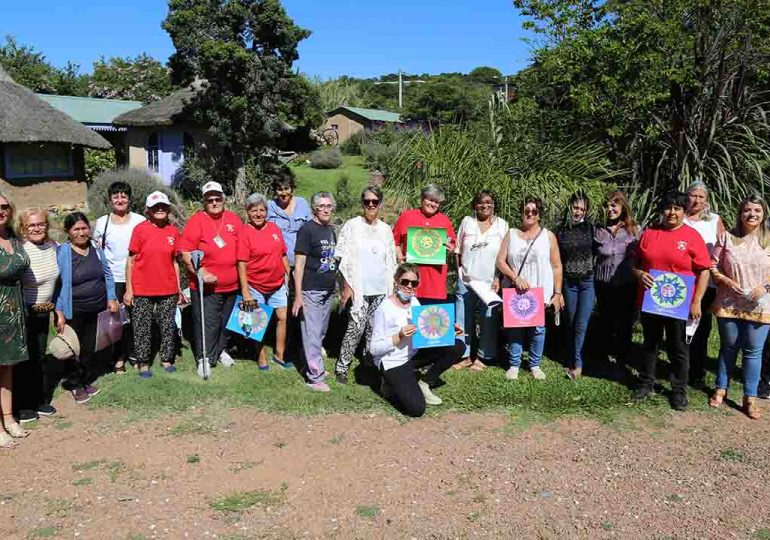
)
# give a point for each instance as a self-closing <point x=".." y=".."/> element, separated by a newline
<point x="362" y="38"/>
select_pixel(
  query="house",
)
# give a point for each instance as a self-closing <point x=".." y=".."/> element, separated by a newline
<point x="159" y="134"/>
<point x="41" y="150"/>
<point x="346" y="121"/>
<point x="97" y="114"/>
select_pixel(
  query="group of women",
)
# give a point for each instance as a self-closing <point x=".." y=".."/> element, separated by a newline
<point x="288" y="256"/>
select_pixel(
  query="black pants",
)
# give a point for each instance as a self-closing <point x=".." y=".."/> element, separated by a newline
<point x="700" y="341"/>
<point x="124" y="349"/>
<point x="216" y="310"/>
<point x="678" y="351"/>
<point x="407" y="395"/>
<point x="616" y="306"/>
<point x="84" y="369"/>
<point x="31" y="379"/>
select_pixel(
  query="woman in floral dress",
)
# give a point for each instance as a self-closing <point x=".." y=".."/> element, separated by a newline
<point x="13" y="341"/>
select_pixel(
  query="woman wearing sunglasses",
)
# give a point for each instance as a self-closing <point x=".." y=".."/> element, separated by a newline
<point x="367" y="262"/>
<point x="393" y="354"/>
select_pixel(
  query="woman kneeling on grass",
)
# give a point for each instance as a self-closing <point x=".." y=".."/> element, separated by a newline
<point x="394" y="355"/>
<point x="152" y="284"/>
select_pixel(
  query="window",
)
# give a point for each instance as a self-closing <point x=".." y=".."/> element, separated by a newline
<point x="37" y="160"/>
<point x="153" y="152"/>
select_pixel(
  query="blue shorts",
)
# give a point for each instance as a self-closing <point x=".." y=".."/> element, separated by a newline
<point x="276" y="299"/>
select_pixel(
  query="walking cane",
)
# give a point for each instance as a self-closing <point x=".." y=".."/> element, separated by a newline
<point x="196" y="257"/>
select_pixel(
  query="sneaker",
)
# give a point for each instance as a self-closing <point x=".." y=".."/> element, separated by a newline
<point x="512" y="374"/>
<point x="27" y="415"/>
<point x="91" y="390"/>
<point x="46" y="410"/>
<point x="679" y="401"/>
<point x="80" y="395"/>
<point x="641" y="393"/>
<point x="146" y="374"/>
<point x="226" y="360"/>
<point x="204" y="371"/>
<point x="430" y="397"/>
<point x="342" y="378"/>
<point x="763" y="390"/>
<point x="171" y="368"/>
<point x="286" y="364"/>
<point x="319" y="386"/>
<point x="537" y="373"/>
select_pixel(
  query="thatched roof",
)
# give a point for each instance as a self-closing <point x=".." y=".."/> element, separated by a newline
<point x="25" y="118"/>
<point x="163" y="112"/>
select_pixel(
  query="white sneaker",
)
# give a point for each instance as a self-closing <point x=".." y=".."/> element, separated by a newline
<point x="204" y="371"/>
<point x="538" y="373"/>
<point x="430" y="397"/>
<point x="226" y="360"/>
<point x="512" y="374"/>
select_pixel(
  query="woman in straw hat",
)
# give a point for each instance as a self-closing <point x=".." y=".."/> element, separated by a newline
<point x="13" y="340"/>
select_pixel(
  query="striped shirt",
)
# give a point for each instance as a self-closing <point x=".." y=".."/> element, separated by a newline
<point x="40" y="277"/>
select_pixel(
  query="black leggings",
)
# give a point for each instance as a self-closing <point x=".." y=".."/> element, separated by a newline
<point x="31" y="381"/>
<point x="407" y="396"/>
<point x="83" y="370"/>
<point x="653" y="327"/>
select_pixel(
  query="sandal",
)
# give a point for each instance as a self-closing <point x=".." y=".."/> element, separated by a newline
<point x="16" y="431"/>
<point x="750" y="408"/>
<point x="120" y="369"/>
<point x="462" y="364"/>
<point x="285" y="364"/>
<point x="477" y="365"/>
<point x="719" y="396"/>
<point x="6" y="441"/>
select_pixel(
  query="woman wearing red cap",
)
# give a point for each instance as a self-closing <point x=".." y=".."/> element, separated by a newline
<point x="152" y="284"/>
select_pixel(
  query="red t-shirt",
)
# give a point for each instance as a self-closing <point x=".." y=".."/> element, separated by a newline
<point x="263" y="250"/>
<point x="432" y="276"/>
<point x="154" y="248"/>
<point x="200" y="233"/>
<point x="682" y="251"/>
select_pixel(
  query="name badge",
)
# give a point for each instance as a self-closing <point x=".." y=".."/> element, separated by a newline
<point x="219" y="241"/>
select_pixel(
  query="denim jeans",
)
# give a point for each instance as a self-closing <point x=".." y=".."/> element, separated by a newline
<point x="579" y="299"/>
<point x="467" y="304"/>
<point x="516" y="338"/>
<point x="748" y="336"/>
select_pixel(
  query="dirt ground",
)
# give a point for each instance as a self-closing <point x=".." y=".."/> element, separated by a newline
<point x="91" y="473"/>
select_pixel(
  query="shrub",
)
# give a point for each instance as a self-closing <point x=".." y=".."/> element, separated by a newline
<point x="97" y="161"/>
<point x="352" y="146"/>
<point x="326" y="158"/>
<point x="346" y="200"/>
<point x="142" y="184"/>
<point x="378" y="156"/>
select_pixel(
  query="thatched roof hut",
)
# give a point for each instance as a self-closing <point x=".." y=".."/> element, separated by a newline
<point x="25" y="118"/>
<point x="164" y="112"/>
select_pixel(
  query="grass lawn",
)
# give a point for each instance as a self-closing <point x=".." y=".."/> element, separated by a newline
<point x="283" y="391"/>
<point x="310" y="180"/>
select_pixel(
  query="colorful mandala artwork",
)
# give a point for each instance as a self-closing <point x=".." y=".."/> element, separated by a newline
<point x="252" y="322"/>
<point x="434" y="322"/>
<point x="669" y="291"/>
<point x="523" y="306"/>
<point x="426" y="242"/>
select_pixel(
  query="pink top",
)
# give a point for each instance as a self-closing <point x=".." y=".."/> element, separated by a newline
<point x="744" y="261"/>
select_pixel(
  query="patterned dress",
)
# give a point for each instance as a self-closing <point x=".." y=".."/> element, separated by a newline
<point x="13" y="342"/>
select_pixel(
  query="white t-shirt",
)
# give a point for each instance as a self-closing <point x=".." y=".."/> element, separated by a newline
<point x="479" y="250"/>
<point x="388" y="321"/>
<point x="39" y="279"/>
<point x="116" y="242"/>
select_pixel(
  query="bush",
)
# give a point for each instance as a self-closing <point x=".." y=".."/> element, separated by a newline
<point x="346" y="200"/>
<point x="326" y="158"/>
<point x="378" y="156"/>
<point x="352" y="146"/>
<point x="97" y="161"/>
<point x="142" y="184"/>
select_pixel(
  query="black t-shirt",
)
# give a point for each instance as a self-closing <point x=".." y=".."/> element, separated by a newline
<point x="317" y="243"/>
<point x="89" y="290"/>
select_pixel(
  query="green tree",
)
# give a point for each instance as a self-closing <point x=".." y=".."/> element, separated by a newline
<point x="446" y="100"/>
<point x="30" y="68"/>
<point x="485" y="75"/>
<point x="242" y="51"/>
<point x="141" y="78"/>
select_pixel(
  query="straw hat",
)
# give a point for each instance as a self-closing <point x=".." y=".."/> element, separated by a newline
<point x="65" y="345"/>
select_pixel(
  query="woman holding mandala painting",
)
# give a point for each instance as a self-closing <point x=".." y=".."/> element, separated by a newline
<point x="529" y="257"/>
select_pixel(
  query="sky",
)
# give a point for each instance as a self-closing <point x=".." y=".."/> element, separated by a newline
<point x="360" y="38"/>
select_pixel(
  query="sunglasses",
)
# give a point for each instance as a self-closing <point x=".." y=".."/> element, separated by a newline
<point x="5" y="207"/>
<point x="413" y="283"/>
<point x="214" y="200"/>
<point x="371" y="202"/>
<point x="531" y="212"/>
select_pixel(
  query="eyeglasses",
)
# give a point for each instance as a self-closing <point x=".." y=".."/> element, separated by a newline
<point x="324" y="207"/>
<point x="371" y="202"/>
<point x="531" y="212"/>
<point x="5" y="207"/>
<point x="33" y="226"/>
<point x="413" y="283"/>
<point x="214" y="200"/>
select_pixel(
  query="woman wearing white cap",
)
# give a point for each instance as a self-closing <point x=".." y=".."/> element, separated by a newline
<point x="214" y="231"/>
<point x="152" y="284"/>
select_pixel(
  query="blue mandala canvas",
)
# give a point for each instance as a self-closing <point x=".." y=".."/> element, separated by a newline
<point x="435" y="325"/>
<point x="251" y="324"/>
<point x="670" y="296"/>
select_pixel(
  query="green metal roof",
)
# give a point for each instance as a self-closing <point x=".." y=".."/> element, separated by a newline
<point x="90" y="110"/>
<point x="374" y="115"/>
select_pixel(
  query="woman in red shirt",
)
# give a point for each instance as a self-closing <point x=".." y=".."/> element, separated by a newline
<point x="152" y="284"/>
<point x="263" y="268"/>
<point x="670" y="246"/>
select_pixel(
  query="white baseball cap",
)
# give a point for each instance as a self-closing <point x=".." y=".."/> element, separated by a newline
<point x="212" y="186"/>
<point x="157" y="197"/>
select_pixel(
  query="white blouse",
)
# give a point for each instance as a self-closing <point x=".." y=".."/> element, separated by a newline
<point x="537" y="269"/>
<point x="388" y="321"/>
